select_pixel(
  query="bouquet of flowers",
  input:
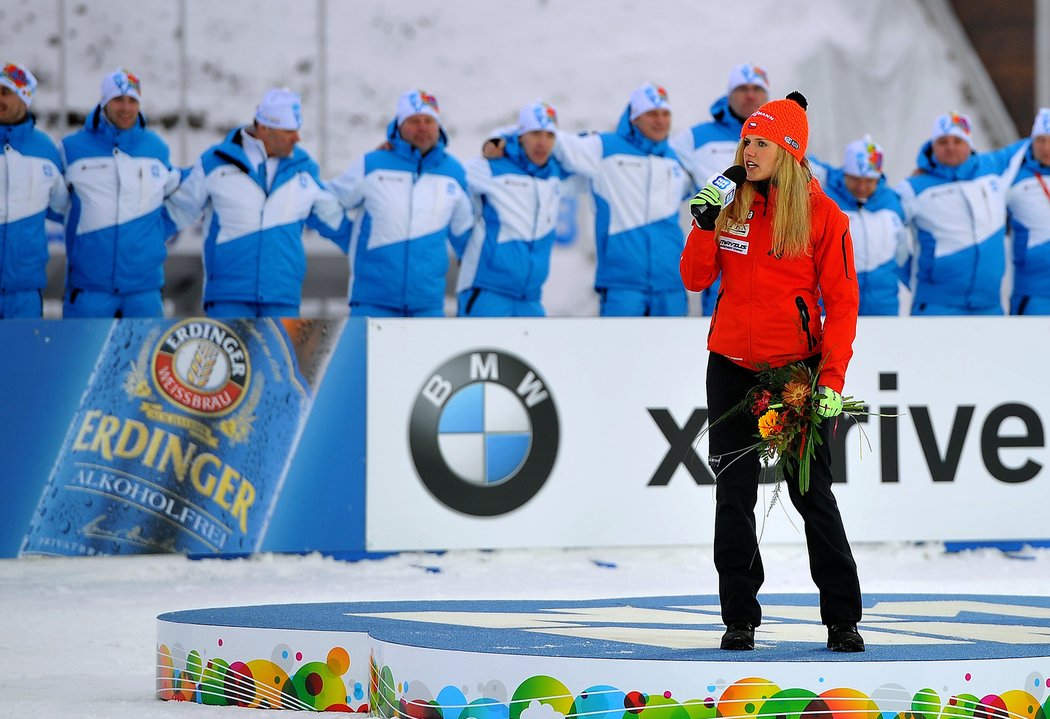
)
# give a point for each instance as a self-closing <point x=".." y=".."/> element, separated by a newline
<point x="784" y="404"/>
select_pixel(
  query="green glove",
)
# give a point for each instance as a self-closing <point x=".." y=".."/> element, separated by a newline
<point x="707" y="197"/>
<point x="829" y="402"/>
<point x="705" y="207"/>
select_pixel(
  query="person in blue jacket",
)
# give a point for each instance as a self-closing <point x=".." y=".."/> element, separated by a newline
<point x="1028" y="202"/>
<point x="507" y="258"/>
<point x="412" y="208"/>
<point x="876" y="223"/>
<point x="956" y="205"/>
<point x="32" y="191"/>
<point x="258" y="189"/>
<point x="708" y="148"/>
<point x="118" y="175"/>
<point x="638" y="187"/>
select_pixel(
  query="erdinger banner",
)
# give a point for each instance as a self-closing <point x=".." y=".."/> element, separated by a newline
<point x="149" y="436"/>
<point x="556" y="432"/>
<point x="229" y="437"/>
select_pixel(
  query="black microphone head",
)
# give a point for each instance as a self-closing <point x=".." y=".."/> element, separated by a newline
<point x="736" y="173"/>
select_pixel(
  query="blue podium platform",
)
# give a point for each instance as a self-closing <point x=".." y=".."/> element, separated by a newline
<point x="928" y="657"/>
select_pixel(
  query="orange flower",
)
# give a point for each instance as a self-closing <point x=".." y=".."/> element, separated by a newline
<point x="796" y="393"/>
<point x="769" y="423"/>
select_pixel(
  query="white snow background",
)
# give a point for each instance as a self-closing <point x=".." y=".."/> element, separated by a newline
<point x="77" y="636"/>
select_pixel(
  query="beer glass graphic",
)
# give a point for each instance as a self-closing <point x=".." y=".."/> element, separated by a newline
<point x="183" y="437"/>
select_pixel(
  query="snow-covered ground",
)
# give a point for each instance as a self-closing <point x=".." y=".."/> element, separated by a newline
<point x="77" y="636"/>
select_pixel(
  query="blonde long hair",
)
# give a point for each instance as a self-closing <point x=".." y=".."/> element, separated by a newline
<point x="789" y="196"/>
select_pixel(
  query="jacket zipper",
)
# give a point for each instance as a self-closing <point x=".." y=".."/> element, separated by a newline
<point x="803" y="313"/>
<point x="714" y="311"/>
<point x="116" y="221"/>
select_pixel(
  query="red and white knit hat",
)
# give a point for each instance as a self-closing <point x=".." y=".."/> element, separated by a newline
<point x="783" y="122"/>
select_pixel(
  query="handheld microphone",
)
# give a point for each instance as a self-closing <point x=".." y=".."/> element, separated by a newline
<point x="718" y="191"/>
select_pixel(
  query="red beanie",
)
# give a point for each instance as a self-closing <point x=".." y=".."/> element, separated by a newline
<point x="783" y="122"/>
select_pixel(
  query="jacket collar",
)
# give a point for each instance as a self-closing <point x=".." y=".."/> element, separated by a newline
<point x="926" y="162"/>
<point x="98" y="124"/>
<point x="19" y="131"/>
<point x="231" y="149"/>
<point x="515" y="153"/>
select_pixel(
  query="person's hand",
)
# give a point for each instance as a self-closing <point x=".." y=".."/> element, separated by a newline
<point x="705" y="207"/>
<point x="493" y="148"/>
<point x="829" y="402"/>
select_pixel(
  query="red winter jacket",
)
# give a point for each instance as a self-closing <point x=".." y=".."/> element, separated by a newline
<point x="767" y="311"/>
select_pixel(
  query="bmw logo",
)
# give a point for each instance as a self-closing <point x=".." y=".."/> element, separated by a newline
<point x="484" y="433"/>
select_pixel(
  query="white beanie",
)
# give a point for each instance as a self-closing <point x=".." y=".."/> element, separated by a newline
<point x="280" y="109"/>
<point x="863" y="158"/>
<point x="416" y="102"/>
<point x="952" y="123"/>
<point x="1042" y="122"/>
<point x="20" y="81"/>
<point x="747" y="74"/>
<point x="121" y="82"/>
<point x="648" y="97"/>
<point x="537" y="116"/>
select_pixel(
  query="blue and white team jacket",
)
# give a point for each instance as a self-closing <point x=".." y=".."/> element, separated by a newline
<point x="705" y="150"/>
<point x="411" y="209"/>
<point x="253" y="243"/>
<point x="709" y="148"/>
<point x="638" y="187"/>
<point x="31" y="190"/>
<point x="1028" y="201"/>
<point x="880" y="239"/>
<point x="510" y="249"/>
<point x="958" y="215"/>
<point x="117" y="226"/>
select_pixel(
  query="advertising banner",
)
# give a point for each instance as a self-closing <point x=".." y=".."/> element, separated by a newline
<point x="573" y="432"/>
<point x="192" y="435"/>
<point x="355" y="436"/>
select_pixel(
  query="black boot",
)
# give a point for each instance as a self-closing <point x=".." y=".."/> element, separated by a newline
<point x="739" y="635"/>
<point x="844" y="638"/>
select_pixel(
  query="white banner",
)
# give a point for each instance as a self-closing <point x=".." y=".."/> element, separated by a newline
<point x="579" y="432"/>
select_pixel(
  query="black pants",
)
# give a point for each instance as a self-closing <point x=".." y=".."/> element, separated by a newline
<point x="737" y="558"/>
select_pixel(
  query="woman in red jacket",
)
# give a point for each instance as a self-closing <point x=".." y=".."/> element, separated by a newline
<point x="781" y="246"/>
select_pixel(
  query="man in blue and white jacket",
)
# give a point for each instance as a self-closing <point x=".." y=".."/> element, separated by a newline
<point x="507" y="258"/>
<point x="31" y="190"/>
<point x="258" y="189"/>
<point x="1028" y="202"/>
<point x="956" y="205"/>
<point x="118" y="175"/>
<point x="638" y="187"/>
<point x="708" y="148"/>
<point x="876" y="223"/>
<point x="412" y="207"/>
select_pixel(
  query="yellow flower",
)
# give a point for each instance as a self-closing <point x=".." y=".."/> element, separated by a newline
<point x="769" y="423"/>
<point x="796" y="394"/>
